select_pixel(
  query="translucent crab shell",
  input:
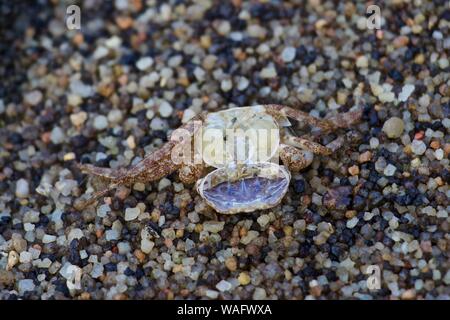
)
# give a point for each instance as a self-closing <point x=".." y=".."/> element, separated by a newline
<point x="245" y="188"/>
<point x="259" y="146"/>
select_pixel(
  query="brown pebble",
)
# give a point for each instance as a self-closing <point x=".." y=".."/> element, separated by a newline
<point x="365" y="157"/>
<point x="400" y="41"/>
<point x="316" y="291"/>
<point x="353" y="170"/>
<point x="252" y="249"/>
<point x="139" y="255"/>
<point x="85" y="296"/>
<point x="6" y="277"/>
<point x="124" y="22"/>
<point x="435" y="144"/>
<point x="409" y="294"/>
<point x="120" y="296"/>
<point x="231" y="263"/>
<point x="350" y="214"/>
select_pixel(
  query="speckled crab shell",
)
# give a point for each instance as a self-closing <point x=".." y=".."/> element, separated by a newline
<point x="245" y="188"/>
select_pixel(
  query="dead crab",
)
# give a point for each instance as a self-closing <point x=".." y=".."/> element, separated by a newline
<point x="240" y="182"/>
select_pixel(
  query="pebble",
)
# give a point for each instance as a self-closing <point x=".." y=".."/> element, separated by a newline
<point x="268" y="73"/>
<point x="144" y="63"/>
<point x="25" y="285"/>
<point x="188" y="114"/>
<point x="352" y="222"/>
<point x="34" y="97"/>
<point x="164" y="183"/>
<point x="147" y="245"/>
<point x="231" y="264"/>
<point x="389" y="170"/>
<point x="263" y="220"/>
<point x="249" y="237"/>
<point x="406" y="92"/>
<point x="223" y="286"/>
<point x="48" y="238"/>
<point x="212" y="294"/>
<point x="111" y="235"/>
<point x="439" y="154"/>
<point x="100" y="122"/>
<point x="418" y="147"/>
<point x="213" y="226"/>
<point x="394" y="127"/>
<point x="288" y="54"/>
<point x="79" y="118"/>
<point x="132" y="213"/>
<point x="259" y="294"/>
<point x="244" y="279"/>
<point x="226" y="85"/>
<point x="57" y="135"/>
<point x="242" y="83"/>
<point x="362" y="62"/>
<point x="25" y="257"/>
<point x="22" y="188"/>
<point x="165" y="109"/>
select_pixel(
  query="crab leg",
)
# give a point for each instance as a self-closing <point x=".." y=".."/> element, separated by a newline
<point x="342" y="120"/>
<point x="276" y="109"/>
<point x="152" y="168"/>
<point x="308" y="145"/>
<point x="348" y="138"/>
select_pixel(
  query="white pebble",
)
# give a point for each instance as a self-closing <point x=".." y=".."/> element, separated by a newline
<point x="25" y="285"/>
<point x="362" y="62"/>
<point x="242" y="83"/>
<point x="223" y="286"/>
<point x="47" y="238"/>
<point x="165" y="109"/>
<point x="33" y="97"/>
<point x="213" y="226"/>
<point x="100" y="122"/>
<point x="157" y="124"/>
<point x="81" y="89"/>
<point x="22" y="188"/>
<point x="226" y="85"/>
<point x="268" y="73"/>
<point x="288" y="54"/>
<point x="188" y="114"/>
<point x="132" y="213"/>
<point x="115" y="116"/>
<point x="389" y="170"/>
<point x="199" y="74"/>
<point x="144" y="63"/>
<point x="374" y="143"/>
<point x="57" y="135"/>
<point x="103" y="210"/>
<point x="212" y="294"/>
<point x="147" y="245"/>
<point x="75" y="234"/>
<point x="352" y="222"/>
<point x="112" y="235"/>
<point x="407" y="90"/>
<point x="418" y="147"/>
<point x="28" y="226"/>
<point x="25" y="257"/>
<point x="163" y="183"/>
<point x="100" y="52"/>
<point x="439" y="154"/>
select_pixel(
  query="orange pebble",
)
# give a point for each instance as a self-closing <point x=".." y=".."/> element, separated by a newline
<point x="435" y="144"/>
<point x="419" y="135"/>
